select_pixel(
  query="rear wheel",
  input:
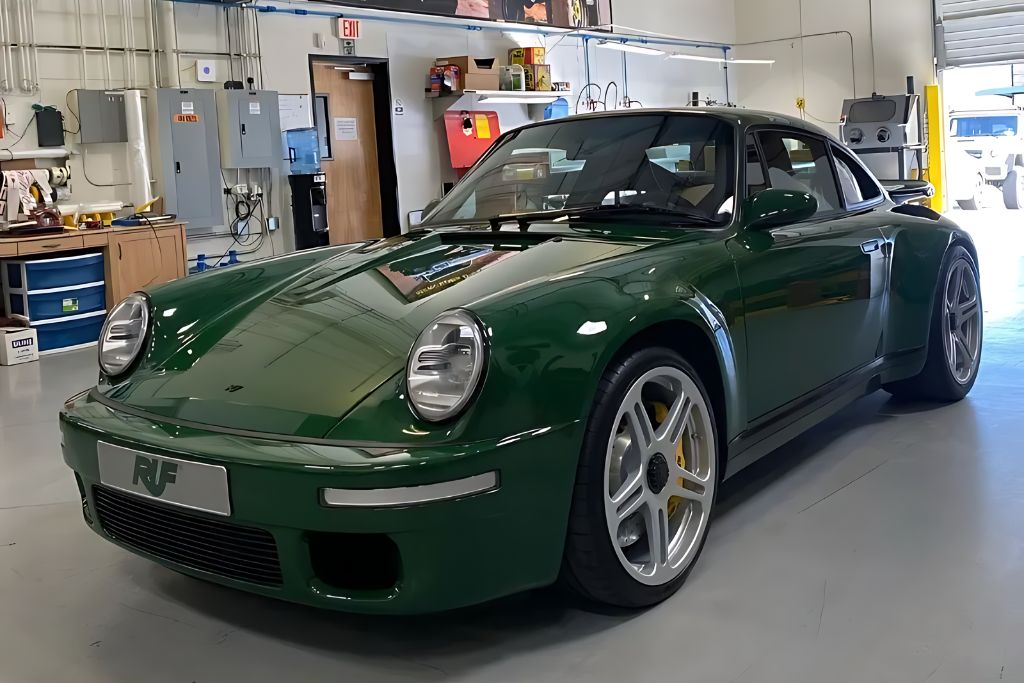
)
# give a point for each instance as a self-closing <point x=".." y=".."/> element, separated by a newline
<point x="646" y="482"/>
<point x="1013" y="188"/>
<point x="955" y="342"/>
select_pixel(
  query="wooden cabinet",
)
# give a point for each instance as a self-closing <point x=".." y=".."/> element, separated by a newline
<point x="144" y="258"/>
<point x="54" y="244"/>
<point x="134" y="258"/>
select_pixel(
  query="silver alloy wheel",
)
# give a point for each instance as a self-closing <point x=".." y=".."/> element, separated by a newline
<point x="660" y="476"/>
<point x="962" y="316"/>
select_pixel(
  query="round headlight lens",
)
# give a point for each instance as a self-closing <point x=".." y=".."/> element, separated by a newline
<point x="123" y="334"/>
<point x="445" y="366"/>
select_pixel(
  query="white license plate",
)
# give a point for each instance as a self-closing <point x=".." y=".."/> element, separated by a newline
<point x="193" y="485"/>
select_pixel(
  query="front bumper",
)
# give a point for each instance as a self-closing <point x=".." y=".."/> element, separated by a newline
<point x="450" y="553"/>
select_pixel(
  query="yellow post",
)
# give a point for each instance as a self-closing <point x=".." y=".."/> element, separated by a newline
<point x="936" y="145"/>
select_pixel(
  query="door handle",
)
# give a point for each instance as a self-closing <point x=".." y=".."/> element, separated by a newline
<point x="177" y="167"/>
<point x="871" y="246"/>
<point x="243" y="129"/>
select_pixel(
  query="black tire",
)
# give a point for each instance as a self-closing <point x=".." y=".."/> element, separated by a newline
<point x="590" y="567"/>
<point x="936" y="381"/>
<point x="975" y="202"/>
<point x="1013" y="188"/>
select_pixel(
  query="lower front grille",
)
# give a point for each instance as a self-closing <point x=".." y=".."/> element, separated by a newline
<point x="227" y="550"/>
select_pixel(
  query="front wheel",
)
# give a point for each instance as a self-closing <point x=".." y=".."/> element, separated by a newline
<point x="1013" y="188"/>
<point x="975" y="202"/>
<point x="955" y="340"/>
<point x="646" y="482"/>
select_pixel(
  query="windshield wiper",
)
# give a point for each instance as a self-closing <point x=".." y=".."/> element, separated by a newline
<point x="646" y="210"/>
<point x="525" y="220"/>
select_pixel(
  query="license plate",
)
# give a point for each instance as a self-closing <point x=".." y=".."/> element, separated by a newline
<point x="193" y="485"/>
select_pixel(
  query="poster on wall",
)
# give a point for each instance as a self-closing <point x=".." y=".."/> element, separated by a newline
<point x="558" y="13"/>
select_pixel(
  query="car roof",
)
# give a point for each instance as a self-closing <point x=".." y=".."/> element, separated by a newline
<point x="743" y="118"/>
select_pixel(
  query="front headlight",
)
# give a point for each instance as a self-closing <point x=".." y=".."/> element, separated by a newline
<point x="123" y="334"/>
<point x="445" y="366"/>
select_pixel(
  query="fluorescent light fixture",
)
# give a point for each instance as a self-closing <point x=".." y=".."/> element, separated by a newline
<point x="699" y="58"/>
<point x="518" y="99"/>
<point x="721" y="60"/>
<point x="626" y="47"/>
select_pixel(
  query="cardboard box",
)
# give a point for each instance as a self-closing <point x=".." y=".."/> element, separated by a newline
<point x="538" y="77"/>
<point x="477" y="73"/>
<point x="18" y="345"/>
<point x="480" y="82"/>
<point x="444" y="80"/>
<point x="471" y="65"/>
<point x="527" y="55"/>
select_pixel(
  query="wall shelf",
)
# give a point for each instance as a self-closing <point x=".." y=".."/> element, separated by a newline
<point x="477" y="99"/>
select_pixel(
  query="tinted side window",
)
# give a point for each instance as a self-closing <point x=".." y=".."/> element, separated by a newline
<point x="755" y="169"/>
<point x="854" y="181"/>
<point x="801" y="164"/>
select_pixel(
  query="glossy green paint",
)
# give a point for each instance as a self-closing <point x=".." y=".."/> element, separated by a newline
<point x="776" y="208"/>
<point x="290" y="371"/>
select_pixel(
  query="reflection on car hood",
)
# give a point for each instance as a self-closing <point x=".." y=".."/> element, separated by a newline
<point x="294" y="360"/>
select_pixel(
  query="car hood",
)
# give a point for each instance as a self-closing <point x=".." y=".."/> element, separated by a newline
<point x="294" y="355"/>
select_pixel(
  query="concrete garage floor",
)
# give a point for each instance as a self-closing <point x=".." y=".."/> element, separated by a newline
<point x="884" y="545"/>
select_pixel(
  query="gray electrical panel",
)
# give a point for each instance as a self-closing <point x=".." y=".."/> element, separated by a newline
<point x="250" y="128"/>
<point x="101" y="113"/>
<point x="186" y="155"/>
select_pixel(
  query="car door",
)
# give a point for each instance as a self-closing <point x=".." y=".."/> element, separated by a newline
<point x="813" y="291"/>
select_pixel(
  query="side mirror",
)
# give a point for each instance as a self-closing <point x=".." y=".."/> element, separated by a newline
<point x="431" y="205"/>
<point x="775" y="208"/>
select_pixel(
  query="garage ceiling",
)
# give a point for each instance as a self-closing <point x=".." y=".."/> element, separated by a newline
<point x="973" y="32"/>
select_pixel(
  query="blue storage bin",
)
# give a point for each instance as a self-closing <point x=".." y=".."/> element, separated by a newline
<point x="66" y="271"/>
<point x="72" y="332"/>
<point x="66" y="302"/>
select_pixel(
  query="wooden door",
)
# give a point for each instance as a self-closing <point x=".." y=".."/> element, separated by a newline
<point x="144" y="258"/>
<point x="353" y="175"/>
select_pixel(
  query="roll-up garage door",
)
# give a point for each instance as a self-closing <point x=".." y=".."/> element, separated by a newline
<point x="972" y="32"/>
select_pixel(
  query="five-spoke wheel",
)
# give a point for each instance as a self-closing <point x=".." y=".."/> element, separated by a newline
<point x="660" y="475"/>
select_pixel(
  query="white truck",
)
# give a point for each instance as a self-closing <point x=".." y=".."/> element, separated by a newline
<point x="995" y="138"/>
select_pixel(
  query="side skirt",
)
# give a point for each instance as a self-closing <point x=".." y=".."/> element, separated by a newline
<point x="789" y="421"/>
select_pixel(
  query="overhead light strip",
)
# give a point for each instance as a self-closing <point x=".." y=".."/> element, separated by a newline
<point x="622" y="46"/>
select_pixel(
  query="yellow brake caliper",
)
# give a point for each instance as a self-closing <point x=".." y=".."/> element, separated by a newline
<point x="660" y="414"/>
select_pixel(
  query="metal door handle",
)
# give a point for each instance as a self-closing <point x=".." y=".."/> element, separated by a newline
<point x="871" y="246"/>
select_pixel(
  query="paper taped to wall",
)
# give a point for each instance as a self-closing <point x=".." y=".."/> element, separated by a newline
<point x="346" y="129"/>
<point x="295" y="112"/>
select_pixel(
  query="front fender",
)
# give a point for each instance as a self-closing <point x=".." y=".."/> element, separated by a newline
<point x="550" y="343"/>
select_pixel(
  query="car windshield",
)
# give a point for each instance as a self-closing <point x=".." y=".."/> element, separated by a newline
<point x="981" y="126"/>
<point x="668" y="166"/>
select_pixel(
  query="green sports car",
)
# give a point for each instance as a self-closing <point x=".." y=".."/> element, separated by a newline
<point x="545" y="382"/>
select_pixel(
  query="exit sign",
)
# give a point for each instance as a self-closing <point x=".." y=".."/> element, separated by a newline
<point x="348" y="29"/>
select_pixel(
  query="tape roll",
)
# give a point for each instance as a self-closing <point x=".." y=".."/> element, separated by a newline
<point x="59" y="175"/>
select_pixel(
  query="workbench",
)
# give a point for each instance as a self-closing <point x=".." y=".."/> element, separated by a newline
<point x="134" y="258"/>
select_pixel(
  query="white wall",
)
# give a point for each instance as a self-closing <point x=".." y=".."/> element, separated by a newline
<point x="820" y="69"/>
<point x="288" y="40"/>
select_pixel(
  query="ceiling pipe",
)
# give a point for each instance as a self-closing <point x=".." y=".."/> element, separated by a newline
<point x="102" y="4"/>
<point x="154" y="77"/>
<point x="5" y="63"/>
<point x="81" y="42"/>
